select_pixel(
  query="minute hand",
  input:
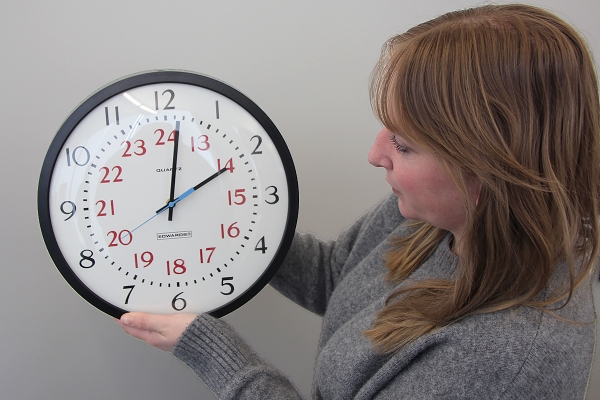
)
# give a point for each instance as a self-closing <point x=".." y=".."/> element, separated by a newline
<point x="191" y="190"/>
<point x="174" y="169"/>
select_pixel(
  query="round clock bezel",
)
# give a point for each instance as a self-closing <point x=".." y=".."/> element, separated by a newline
<point x="138" y="80"/>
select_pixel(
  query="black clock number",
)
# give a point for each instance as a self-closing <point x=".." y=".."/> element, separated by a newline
<point x="130" y="287"/>
<point x="178" y="303"/>
<point x="79" y="156"/>
<point x="171" y="97"/>
<point x="259" y="142"/>
<point x="261" y="246"/>
<point x="273" y="194"/>
<point x="68" y="208"/>
<point x="107" y="115"/>
<point x="229" y="285"/>
<point x="86" y="259"/>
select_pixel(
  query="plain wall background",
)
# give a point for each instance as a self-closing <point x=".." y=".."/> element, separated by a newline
<point x="305" y="63"/>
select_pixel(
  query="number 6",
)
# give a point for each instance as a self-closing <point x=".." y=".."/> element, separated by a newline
<point x="177" y="298"/>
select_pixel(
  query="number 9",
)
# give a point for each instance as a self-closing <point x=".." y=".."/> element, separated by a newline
<point x="70" y="210"/>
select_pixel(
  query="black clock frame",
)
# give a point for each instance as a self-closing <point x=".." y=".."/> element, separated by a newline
<point x="131" y="82"/>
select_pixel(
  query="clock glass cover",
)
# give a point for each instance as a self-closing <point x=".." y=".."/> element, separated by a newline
<point x="168" y="192"/>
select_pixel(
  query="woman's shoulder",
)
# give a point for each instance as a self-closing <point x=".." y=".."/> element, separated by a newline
<point x="518" y="353"/>
<point x="510" y="354"/>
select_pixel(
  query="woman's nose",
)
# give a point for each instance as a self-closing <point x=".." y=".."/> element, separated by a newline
<point x="378" y="154"/>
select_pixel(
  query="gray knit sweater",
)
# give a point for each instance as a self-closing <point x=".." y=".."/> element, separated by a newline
<point x="514" y="354"/>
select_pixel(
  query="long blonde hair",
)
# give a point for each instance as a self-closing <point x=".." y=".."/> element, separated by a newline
<point x="506" y="94"/>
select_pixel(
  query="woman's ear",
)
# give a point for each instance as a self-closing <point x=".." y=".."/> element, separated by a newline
<point x="474" y="190"/>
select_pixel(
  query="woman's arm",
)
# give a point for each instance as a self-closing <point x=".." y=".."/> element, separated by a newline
<point x="214" y="351"/>
<point x="314" y="267"/>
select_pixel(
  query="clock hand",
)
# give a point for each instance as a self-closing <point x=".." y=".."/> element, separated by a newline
<point x="174" y="169"/>
<point x="172" y="203"/>
<point x="143" y="223"/>
<point x="191" y="190"/>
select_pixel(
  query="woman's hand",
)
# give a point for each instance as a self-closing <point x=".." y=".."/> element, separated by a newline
<point x="160" y="331"/>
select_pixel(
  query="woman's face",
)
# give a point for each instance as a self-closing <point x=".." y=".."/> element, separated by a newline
<point x="425" y="191"/>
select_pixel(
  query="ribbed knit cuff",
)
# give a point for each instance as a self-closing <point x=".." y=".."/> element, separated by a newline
<point x="227" y="365"/>
<point x="214" y="351"/>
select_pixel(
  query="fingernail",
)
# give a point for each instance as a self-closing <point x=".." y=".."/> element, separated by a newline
<point x="127" y="320"/>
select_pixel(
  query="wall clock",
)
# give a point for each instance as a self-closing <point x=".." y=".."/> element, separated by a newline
<point x="165" y="192"/>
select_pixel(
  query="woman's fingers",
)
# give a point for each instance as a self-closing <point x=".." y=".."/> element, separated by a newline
<point x="160" y="331"/>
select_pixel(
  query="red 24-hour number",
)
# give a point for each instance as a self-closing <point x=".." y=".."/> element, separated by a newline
<point x="139" y="149"/>
<point x="232" y="232"/>
<point x="106" y="208"/>
<point x="124" y="238"/>
<point x="116" y="175"/>
<point x="146" y="258"/>
<point x="206" y="254"/>
<point x="204" y="144"/>
<point x="237" y="197"/>
<point x="161" y="139"/>
<point x="228" y="165"/>
<point x="178" y="267"/>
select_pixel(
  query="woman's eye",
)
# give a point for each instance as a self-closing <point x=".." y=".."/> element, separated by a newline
<point x="399" y="148"/>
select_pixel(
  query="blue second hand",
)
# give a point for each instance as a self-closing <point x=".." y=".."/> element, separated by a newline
<point x="146" y="221"/>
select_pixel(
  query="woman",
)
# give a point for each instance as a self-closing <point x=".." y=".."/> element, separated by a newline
<point x="473" y="279"/>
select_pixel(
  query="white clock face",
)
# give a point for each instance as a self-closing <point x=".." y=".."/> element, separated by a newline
<point x="170" y="197"/>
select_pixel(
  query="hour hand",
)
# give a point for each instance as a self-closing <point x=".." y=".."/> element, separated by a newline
<point x="191" y="190"/>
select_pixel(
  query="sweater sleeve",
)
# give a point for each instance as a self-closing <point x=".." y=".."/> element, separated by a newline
<point x="314" y="267"/>
<point x="227" y="365"/>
